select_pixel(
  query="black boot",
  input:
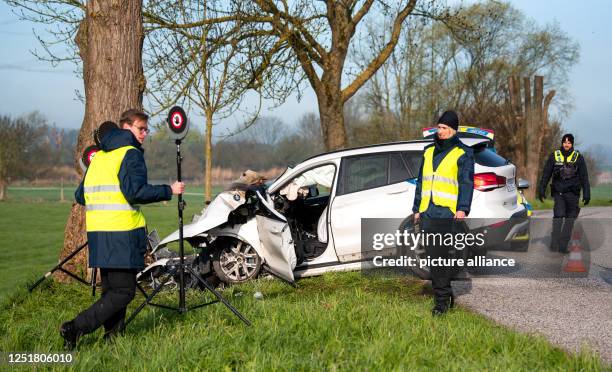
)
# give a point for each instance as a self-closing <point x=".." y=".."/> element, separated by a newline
<point x="442" y="306"/>
<point x="110" y="334"/>
<point x="71" y="334"/>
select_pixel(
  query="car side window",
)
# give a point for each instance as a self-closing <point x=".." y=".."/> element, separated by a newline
<point x="363" y="173"/>
<point x="413" y="160"/>
<point x="398" y="172"/>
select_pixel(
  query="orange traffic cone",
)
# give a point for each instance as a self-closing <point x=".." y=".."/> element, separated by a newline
<point x="574" y="262"/>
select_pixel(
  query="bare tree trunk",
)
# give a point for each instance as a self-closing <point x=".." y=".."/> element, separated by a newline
<point x="208" y="157"/>
<point x="62" y="189"/>
<point x="529" y="118"/>
<point x="533" y="140"/>
<point x="331" y="110"/>
<point x="2" y="190"/>
<point x="110" y="42"/>
<point x="517" y="122"/>
<point x="332" y="124"/>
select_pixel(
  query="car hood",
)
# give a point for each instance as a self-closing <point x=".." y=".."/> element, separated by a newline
<point x="217" y="213"/>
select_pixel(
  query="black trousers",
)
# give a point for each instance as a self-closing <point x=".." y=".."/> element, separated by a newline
<point x="441" y="275"/>
<point x="118" y="290"/>
<point x="565" y="212"/>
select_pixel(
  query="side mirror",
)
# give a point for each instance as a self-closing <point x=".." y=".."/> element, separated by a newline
<point x="522" y="184"/>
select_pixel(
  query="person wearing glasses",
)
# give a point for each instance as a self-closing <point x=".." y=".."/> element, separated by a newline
<point x="114" y="185"/>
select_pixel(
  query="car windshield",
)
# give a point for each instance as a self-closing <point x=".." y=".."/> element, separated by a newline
<point x="288" y="168"/>
<point x="323" y="176"/>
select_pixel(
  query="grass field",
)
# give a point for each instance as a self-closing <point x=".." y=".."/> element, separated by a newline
<point x="343" y="321"/>
<point x="338" y="321"/>
<point x="601" y="196"/>
<point x="32" y="223"/>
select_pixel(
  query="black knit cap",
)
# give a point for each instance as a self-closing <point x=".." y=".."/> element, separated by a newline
<point x="569" y="137"/>
<point x="449" y="118"/>
<point x="103" y="130"/>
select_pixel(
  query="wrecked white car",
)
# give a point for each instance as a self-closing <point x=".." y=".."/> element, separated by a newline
<point x="308" y="220"/>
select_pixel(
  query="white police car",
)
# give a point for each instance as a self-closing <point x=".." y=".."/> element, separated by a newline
<point x="308" y="220"/>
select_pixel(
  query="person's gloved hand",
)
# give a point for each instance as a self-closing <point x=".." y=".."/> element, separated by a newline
<point x="586" y="201"/>
<point x="541" y="196"/>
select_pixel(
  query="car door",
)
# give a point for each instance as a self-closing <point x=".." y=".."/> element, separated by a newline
<point x="377" y="185"/>
<point x="277" y="247"/>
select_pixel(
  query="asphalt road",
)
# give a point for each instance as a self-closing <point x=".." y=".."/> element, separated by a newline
<point x="573" y="311"/>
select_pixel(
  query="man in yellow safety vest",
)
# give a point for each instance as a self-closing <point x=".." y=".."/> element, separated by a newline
<point x="114" y="185"/>
<point x="443" y="197"/>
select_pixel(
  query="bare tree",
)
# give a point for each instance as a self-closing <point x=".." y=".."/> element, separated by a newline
<point x="18" y="139"/>
<point x="309" y="129"/>
<point x="318" y="36"/>
<point x="109" y="37"/>
<point x="463" y="63"/>
<point x="266" y="130"/>
<point x="207" y="66"/>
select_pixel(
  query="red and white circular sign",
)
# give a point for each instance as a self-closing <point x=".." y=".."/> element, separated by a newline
<point x="177" y="123"/>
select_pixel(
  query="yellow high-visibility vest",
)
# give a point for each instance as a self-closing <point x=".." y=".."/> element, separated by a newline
<point x="440" y="186"/>
<point x="106" y="207"/>
<point x="559" y="158"/>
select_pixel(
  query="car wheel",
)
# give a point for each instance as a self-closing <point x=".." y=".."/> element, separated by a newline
<point x="235" y="261"/>
<point x="417" y="253"/>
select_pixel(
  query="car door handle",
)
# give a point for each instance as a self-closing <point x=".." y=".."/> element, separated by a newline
<point x="403" y="189"/>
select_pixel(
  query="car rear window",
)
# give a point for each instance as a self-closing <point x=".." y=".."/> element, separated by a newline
<point x="488" y="158"/>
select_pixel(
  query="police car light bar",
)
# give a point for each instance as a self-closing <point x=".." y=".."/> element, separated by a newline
<point x="463" y="129"/>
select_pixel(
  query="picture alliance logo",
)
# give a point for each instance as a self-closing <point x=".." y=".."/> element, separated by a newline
<point x="412" y="240"/>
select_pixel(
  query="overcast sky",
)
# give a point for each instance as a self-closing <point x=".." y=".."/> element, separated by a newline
<point x="28" y="84"/>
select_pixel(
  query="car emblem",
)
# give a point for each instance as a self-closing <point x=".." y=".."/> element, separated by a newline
<point x="236" y="197"/>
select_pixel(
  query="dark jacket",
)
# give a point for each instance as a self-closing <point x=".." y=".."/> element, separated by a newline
<point x="465" y="177"/>
<point x="124" y="249"/>
<point x="574" y="184"/>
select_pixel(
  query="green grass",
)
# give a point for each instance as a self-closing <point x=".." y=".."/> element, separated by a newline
<point x="53" y="193"/>
<point x="32" y="226"/>
<point x="603" y="192"/>
<point x="601" y="196"/>
<point x="337" y="321"/>
<point x="344" y="321"/>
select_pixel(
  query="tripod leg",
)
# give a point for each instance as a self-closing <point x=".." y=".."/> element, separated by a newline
<point x="144" y="293"/>
<point x="73" y="276"/>
<point x="219" y="296"/>
<point x="150" y="297"/>
<point x="56" y="267"/>
<point x="94" y="280"/>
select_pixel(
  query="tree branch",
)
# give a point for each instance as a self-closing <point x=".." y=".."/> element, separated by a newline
<point x="375" y="64"/>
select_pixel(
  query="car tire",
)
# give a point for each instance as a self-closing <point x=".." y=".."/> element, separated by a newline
<point x="235" y="261"/>
<point x="422" y="273"/>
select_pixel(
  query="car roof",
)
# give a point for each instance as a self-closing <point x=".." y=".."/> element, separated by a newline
<point x="413" y="145"/>
<point x="385" y="147"/>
